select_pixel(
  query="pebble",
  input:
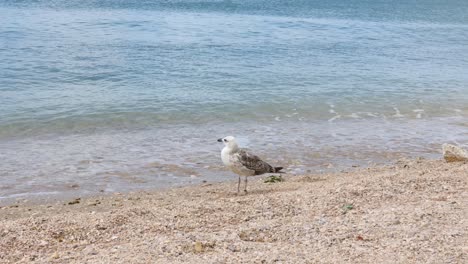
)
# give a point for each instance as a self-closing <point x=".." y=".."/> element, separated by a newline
<point x="89" y="250"/>
<point x="198" y="246"/>
<point x="454" y="153"/>
<point x="95" y="203"/>
<point x="233" y="248"/>
<point x="76" y="201"/>
<point x="55" y="255"/>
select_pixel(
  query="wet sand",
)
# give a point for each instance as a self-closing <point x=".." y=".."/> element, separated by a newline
<point x="414" y="211"/>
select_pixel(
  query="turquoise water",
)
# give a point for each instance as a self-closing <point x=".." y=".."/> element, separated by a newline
<point x="124" y="95"/>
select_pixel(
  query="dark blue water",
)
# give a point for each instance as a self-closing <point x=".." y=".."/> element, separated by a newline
<point x="120" y="95"/>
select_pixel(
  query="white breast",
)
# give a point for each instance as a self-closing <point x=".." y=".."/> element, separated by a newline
<point x="225" y="156"/>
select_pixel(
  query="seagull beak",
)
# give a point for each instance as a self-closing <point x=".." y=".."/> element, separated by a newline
<point x="220" y="140"/>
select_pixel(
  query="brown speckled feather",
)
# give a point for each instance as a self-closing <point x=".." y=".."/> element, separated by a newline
<point x="253" y="162"/>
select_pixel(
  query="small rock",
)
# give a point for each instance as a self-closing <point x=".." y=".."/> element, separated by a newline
<point x="76" y="201"/>
<point x="244" y="236"/>
<point x="94" y="203"/>
<point x="198" y="246"/>
<point x="89" y="250"/>
<point x="233" y="248"/>
<point x="454" y="153"/>
<point x="100" y="227"/>
<point x="55" y="255"/>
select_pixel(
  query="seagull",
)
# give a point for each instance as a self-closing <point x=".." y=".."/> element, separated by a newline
<point x="242" y="162"/>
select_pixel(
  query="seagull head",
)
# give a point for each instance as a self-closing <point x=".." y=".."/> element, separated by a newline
<point x="229" y="142"/>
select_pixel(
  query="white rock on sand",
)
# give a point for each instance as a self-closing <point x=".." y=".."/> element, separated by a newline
<point x="454" y="153"/>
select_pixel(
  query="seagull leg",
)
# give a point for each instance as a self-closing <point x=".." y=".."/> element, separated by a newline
<point x="245" y="186"/>
<point x="238" y="185"/>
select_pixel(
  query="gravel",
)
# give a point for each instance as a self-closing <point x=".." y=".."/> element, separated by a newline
<point x="410" y="212"/>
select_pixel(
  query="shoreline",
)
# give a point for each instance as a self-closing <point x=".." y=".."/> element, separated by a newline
<point x="63" y="198"/>
<point x="128" y="160"/>
<point x="411" y="211"/>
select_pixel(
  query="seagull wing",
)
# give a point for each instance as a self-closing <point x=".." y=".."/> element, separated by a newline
<point x="253" y="162"/>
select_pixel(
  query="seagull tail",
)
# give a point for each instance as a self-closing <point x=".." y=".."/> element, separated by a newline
<point x="278" y="169"/>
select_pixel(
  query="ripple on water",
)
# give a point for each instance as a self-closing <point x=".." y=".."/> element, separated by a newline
<point x="160" y="157"/>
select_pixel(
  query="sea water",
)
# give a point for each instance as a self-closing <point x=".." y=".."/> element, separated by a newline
<point x="122" y="95"/>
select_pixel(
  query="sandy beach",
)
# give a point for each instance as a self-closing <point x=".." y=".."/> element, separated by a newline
<point x="409" y="212"/>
